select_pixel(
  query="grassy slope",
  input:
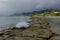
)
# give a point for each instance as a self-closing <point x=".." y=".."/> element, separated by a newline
<point x="45" y="13"/>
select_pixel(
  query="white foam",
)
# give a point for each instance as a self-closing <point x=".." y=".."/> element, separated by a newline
<point x="22" y="24"/>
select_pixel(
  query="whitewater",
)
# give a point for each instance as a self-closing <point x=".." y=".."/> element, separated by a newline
<point x="13" y="21"/>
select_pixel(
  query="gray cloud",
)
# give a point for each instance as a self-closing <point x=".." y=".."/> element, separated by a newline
<point x="8" y="7"/>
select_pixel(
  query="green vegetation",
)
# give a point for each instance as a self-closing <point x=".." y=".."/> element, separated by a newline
<point x="45" y="13"/>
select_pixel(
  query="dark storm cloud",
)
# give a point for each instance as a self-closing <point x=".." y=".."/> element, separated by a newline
<point x="8" y="7"/>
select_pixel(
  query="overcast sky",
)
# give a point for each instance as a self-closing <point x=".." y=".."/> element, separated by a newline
<point x="8" y="7"/>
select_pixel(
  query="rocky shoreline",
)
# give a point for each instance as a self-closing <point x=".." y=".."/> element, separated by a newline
<point x="39" y="29"/>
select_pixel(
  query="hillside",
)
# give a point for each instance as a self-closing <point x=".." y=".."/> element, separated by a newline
<point x="47" y="12"/>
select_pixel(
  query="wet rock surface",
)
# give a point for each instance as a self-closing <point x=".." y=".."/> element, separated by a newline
<point x="55" y="38"/>
<point x="39" y="29"/>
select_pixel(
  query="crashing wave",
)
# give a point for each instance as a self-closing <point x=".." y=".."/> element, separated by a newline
<point x="22" y="24"/>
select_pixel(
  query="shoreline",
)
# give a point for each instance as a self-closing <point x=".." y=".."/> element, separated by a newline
<point x="38" y="30"/>
<point x="53" y="16"/>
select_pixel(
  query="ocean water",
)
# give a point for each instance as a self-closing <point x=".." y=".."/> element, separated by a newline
<point x="54" y="23"/>
<point x="11" y="21"/>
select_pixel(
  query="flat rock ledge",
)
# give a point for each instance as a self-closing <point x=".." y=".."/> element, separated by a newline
<point x="39" y="29"/>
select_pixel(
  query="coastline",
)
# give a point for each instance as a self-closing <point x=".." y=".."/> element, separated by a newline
<point x="39" y="30"/>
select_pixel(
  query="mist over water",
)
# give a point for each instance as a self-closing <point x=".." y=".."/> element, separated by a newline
<point x="9" y="7"/>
